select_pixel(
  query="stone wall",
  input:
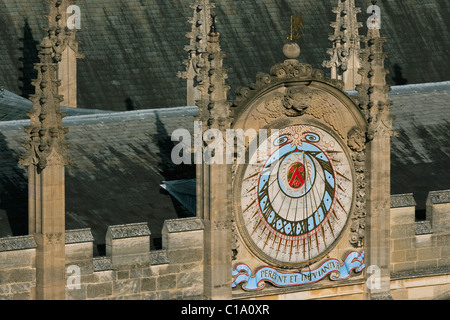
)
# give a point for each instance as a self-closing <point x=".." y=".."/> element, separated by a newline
<point x="420" y="250"/>
<point x="17" y="270"/>
<point x="130" y="270"/>
<point x="420" y="259"/>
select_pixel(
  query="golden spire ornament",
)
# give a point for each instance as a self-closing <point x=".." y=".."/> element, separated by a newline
<point x="296" y="23"/>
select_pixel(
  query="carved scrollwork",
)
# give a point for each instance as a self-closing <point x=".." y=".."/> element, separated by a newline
<point x="356" y="139"/>
<point x="288" y="70"/>
<point x="292" y="103"/>
<point x="358" y="224"/>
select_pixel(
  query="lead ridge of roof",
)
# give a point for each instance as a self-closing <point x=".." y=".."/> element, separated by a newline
<point x="113" y="116"/>
<point x="414" y="88"/>
<point x="101" y="116"/>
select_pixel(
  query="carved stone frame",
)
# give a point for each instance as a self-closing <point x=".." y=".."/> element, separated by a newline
<point x="354" y="142"/>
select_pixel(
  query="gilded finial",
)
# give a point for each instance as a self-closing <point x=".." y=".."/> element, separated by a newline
<point x="296" y="22"/>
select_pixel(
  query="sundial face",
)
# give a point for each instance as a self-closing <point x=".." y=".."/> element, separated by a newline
<point x="295" y="201"/>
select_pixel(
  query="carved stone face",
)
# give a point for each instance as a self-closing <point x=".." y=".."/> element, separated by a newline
<point x="298" y="98"/>
<point x="356" y="140"/>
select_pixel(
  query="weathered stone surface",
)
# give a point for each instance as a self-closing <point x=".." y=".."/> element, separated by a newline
<point x="129" y="231"/>
<point x="148" y="284"/>
<point x="183" y="225"/>
<point x="79" y="236"/>
<point x="166" y="282"/>
<point x="102" y="264"/>
<point x="17" y="275"/>
<point x="439" y="197"/>
<point x="17" y="243"/>
<point x="126" y="287"/>
<point x="101" y="290"/>
<point x="403" y="200"/>
<point x="423" y="227"/>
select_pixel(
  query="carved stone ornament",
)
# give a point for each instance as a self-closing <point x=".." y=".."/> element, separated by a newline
<point x="293" y="103"/>
<point x="289" y="70"/>
<point x="46" y="144"/>
<point x="356" y="142"/>
<point x="356" y="139"/>
<point x="54" y="238"/>
<point x="59" y="34"/>
<point x="297" y="100"/>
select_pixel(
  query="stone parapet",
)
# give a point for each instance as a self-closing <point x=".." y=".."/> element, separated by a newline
<point x="403" y="200"/>
<point x="17" y="268"/>
<point x="130" y="270"/>
<point x="419" y="247"/>
<point x="438" y="210"/>
<point x="128" y="245"/>
<point x="182" y="234"/>
<point x="79" y="247"/>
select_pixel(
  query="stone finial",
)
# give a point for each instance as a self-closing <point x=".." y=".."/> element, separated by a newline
<point x="214" y="106"/>
<point x="373" y="90"/>
<point x="344" y="55"/>
<point x="46" y="145"/>
<point x="291" y="51"/>
<point x="64" y="22"/>
<point x="201" y="23"/>
<point x="58" y="32"/>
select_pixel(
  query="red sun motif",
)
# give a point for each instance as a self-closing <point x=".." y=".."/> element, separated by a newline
<point x="296" y="175"/>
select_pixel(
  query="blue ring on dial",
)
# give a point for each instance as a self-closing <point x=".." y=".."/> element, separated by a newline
<point x="322" y="207"/>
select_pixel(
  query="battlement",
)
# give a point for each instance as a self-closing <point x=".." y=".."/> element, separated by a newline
<point x="130" y="270"/>
<point x="420" y="246"/>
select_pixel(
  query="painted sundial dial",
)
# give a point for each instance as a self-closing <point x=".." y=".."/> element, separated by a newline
<point x="295" y="201"/>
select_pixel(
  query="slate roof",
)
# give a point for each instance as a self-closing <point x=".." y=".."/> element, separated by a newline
<point x="123" y="158"/>
<point x="420" y="154"/>
<point x="14" y="107"/>
<point x="120" y="160"/>
<point x="134" y="48"/>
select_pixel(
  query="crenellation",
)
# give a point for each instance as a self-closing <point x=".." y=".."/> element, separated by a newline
<point x="403" y="200"/>
<point x="130" y="270"/>
<point x="79" y="246"/>
<point x="418" y="246"/>
<point x="182" y="233"/>
<point x="128" y="245"/>
<point x="438" y="210"/>
<point x="102" y="264"/>
<point x="79" y="236"/>
<point x="439" y="197"/>
<point x="17" y="243"/>
<point x="423" y="227"/>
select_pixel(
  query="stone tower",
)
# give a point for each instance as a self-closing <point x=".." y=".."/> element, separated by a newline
<point x="213" y="174"/>
<point x="344" y="55"/>
<point x="375" y="105"/>
<point x="198" y="36"/>
<point x="64" y="22"/>
<point x="46" y="158"/>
